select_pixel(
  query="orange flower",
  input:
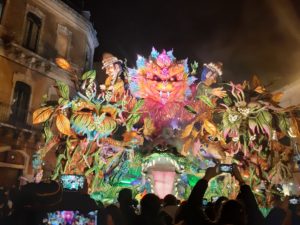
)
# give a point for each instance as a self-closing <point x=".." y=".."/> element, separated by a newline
<point x="110" y="111"/>
<point x="134" y="137"/>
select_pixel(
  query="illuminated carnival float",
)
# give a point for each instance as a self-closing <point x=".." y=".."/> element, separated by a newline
<point x="156" y="128"/>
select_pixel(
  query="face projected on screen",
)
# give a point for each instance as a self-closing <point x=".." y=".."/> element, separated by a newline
<point x="70" y="218"/>
<point x="72" y="182"/>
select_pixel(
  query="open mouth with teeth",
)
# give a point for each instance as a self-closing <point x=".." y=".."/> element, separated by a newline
<point x="162" y="172"/>
<point x="162" y="78"/>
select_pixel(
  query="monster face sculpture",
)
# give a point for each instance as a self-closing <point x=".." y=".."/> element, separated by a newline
<point x="162" y="78"/>
<point x="164" y="83"/>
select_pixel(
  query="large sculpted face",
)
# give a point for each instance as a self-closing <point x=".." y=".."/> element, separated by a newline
<point x="161" y="78"/>
<point x="113" y="70"/>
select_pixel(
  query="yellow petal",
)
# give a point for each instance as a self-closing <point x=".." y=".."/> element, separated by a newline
<point x="186" y="147"/>
<point x="187" y="130"/>
<point x="149" y="127"/>
<point x="276" y="97"/>
<point x="110" y="111"/>
<point x="259" y="89"/>
<point x="210" y="127"/>
<point x="195" y="133"/>
<point x="42" y="114"/>
<point x="294" y="128"/>
<point x="63" y="124"/>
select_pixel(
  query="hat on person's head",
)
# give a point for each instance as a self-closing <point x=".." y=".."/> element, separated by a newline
<point x="211" y="69"/>
<point x="216" y="67"/>
<point x="108" y="59"/>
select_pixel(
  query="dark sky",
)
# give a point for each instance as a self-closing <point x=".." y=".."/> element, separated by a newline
<point x="249" y="36"/>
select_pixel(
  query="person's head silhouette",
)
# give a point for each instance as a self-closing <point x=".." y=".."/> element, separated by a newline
<point x="150" y="204"/>
<point x="125" y="196"/>
<point x="232" y="212"/>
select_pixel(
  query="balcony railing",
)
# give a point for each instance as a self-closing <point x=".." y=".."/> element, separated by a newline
<point x="15" y="116"/>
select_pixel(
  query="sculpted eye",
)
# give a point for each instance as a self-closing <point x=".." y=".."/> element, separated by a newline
<point x="108" y="114"/>
<point x="85" y="110"/>
<point x="173" y="79"/>
<point x="156" y="78"/>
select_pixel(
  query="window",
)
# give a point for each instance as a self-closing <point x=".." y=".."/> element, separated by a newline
<point x="2" y="5"/>
<point x="63" y="45"/>
<point x="88" y="59"/>
<point x="63" y="41"/>
<point x="33" y="27"/>
<point x="52" y="94"/>
<point x="20" y="102"/>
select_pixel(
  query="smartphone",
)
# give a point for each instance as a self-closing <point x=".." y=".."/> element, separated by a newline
<point x="214" y="199"/>
<point x="70" y="217"/>
<point x="204" y="202"/>
<point x="225" y="168"/>
<point x="293" y="200"/>
<point x="72" y="182"/>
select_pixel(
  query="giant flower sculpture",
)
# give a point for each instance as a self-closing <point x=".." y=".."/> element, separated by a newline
<point x="82" y="130"/>
<point x="246" y="127"/>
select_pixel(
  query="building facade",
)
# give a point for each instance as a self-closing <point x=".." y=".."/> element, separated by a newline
<point x="33" y="33"/>
<point x="290" y="97"/>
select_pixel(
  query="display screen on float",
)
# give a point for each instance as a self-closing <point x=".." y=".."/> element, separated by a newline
<point x="70" y="218"/>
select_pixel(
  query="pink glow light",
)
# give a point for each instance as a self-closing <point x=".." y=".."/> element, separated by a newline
<point x="163" y="182"/>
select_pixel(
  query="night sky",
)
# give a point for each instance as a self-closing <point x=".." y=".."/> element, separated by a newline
<point x="250" y="37"/>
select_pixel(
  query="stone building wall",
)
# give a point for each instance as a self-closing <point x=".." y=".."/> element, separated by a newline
<point x="32" y="72"/>
<point x="291" y="96"/>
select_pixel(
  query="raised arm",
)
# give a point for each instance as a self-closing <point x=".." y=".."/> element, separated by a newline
<point x="194" y="213"/>
<point x="255" y="216"/>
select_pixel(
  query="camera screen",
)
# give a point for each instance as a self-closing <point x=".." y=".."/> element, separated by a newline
<point x="293" y="201"/>
<point x="214" y="199"/>
<point x="72" y="182"/>
<point x="70" y="218"/>
<point x="227" y="168"/>
<point x="204" y="202"/>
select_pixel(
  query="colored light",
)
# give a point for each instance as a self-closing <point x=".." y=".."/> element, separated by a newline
<point x="63" y="63"/>
<point x="163" y="182"/>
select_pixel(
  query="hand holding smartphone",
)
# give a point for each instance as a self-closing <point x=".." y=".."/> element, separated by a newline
<point x="214" y="199"/>
<point x="225" y="168"/>
<point x="72" y="182"/>
<point x="294" y="200"/>
<point x="233" y="169"/>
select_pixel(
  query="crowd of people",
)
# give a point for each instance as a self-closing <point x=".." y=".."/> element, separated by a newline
<point x="243" y="210"/>
<point x="7" y="199"/>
